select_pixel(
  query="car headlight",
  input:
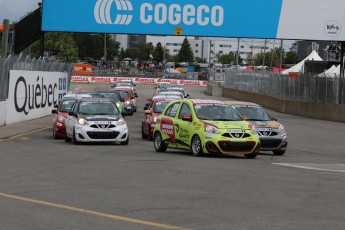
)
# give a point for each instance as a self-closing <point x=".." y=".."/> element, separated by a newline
<point x="118" y="104"/>
<point x="121" y="121"/>
<point x="61" y="119"/>
<point x="155" y="119"/>
<point x="211" y="129"/>
<point x="127" y="102"/>
<point x="82" y="121"/>
<point x="281" y="129"/>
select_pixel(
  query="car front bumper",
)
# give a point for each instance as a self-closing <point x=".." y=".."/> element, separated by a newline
<point x="85" y="133"/>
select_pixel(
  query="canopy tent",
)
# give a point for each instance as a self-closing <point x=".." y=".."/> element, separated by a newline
<point x="313" y="56"/>
<point x="334" y="71"/>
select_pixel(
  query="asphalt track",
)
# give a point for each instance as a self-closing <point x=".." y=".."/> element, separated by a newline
<point x="49" y="184"/>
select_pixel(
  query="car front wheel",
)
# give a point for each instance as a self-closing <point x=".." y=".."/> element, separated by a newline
<point x="158" y="143"/>
<point x="251" y="155"/>
<point x="67" y="139"/>
<point x="125" y="142"/>
<point x="197" y="146"/>
<point x="75" y="141"/>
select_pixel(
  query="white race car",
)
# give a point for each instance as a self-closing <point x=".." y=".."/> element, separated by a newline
<point x="96" y="120"/>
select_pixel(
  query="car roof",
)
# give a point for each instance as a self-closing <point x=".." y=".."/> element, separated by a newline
<point x="107" y="91"/>
<point x="77" y="95"/>
<point x="243" y="103"/>
<point x="205" y="101"/>
<point x="94" y="99"/>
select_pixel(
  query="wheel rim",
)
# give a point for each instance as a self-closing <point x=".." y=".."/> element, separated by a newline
<point x="196" y="145"/>
<point x="158" y="141"/>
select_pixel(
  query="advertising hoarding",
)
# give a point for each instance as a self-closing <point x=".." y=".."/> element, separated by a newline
<point x="282" y="19"/>
<point x="33" y="94"/>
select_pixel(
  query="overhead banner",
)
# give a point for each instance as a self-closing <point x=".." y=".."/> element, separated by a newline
<point x="282" y="19"/>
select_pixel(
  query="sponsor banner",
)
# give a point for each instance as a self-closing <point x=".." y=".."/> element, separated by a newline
<point x="83" y="69"/>
<point x="168" y="17"/>
<point x="33" y="94"/>
<point x="147" y="81"/>
<point x="282" y="19"/>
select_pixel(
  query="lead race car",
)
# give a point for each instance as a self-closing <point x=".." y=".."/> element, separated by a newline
<point x="205" y="127"/>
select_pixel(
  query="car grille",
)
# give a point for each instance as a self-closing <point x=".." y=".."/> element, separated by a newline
<point x="103" y="135"/>
<point x="228" y="146"/>
<point x="103" y="126"/>
<point x="267" y="133"/>
<point x="270" y="143"/>
<point x="236" y="135"/>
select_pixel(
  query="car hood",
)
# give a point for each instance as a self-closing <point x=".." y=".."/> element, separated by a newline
<point x="229" y="124"/>
<point x="100" y="117"/>
<point x="266" y="124"/>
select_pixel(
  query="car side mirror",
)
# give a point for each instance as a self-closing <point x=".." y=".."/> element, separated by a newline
<point x="245" y="118"/>
<point x="71" y="113"/>
<point x="275" y="119"/>
<point x="135" y="94"/>
<point x="148" y="99"/>
<point x="134" y="85"/>
<point x="147" y="111"/>
<point x="54" y="111"/>
<point x="56" y="105"/>
<point x="187" y="117"/>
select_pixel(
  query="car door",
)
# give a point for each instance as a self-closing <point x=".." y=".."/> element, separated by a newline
<point x="71" y="119"/>
<point x="167" y="124"/>
<point x="183" y="128"/>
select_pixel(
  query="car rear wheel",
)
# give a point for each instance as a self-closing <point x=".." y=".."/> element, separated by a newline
<point x="158" y="143"/>
<point x="75" y="141"/>
<point x="279" y="152"/>
<point x="196" y="146"/>
<point x="251" y="155"/>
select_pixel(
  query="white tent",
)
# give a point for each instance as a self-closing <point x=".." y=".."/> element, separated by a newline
<point x="327" y="72"/>
<point x="313" y="56"/>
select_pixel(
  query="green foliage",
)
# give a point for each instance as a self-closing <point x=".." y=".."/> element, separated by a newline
<point x="229" y="58"/>
<point x="141" y="51"/>
<point x="200" y="60"/>
<point x="291" y="57"/>
<point x="158" y="55"/>
<point x="186" y="52"/>
<point x="272" y="58"/>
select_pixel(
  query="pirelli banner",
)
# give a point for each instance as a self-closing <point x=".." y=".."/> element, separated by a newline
<point x="282" y="19"/>
<point x="33" y="94"/>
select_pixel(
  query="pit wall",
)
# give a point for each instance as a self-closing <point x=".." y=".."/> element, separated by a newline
<point x="316" y="110"/>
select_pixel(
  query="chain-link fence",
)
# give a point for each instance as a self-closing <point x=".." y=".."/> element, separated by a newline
<point x="30" y="64"/>
<point x="306" y="87"/>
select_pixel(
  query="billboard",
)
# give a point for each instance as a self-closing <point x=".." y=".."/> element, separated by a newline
<point x="285" y="19"/>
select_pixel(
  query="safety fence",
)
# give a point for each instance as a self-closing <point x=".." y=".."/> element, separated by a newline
<point x="29" y="64"/>
<point x="305" y="87"/>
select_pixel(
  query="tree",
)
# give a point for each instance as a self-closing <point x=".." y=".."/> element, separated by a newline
<point x="159" y="53"/>
<point x="60" y="46"/>
<point x="200" y="60"/>
<point x="291" y="57"/>
<point x="272" y="58"/>
<point x="141" y="51"/>
<point x="229" y="58"/>
<point x="186" y="53"/>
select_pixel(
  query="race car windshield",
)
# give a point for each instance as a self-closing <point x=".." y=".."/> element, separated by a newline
<point x="66" y="106"/>
<point x="216" y="112"/>
<point x="254" y="113"/>
<point x="160" y="106"/>
<point x="123" y="94"/>
<point x="98" y="108"/>
<point x="112" y="96"/>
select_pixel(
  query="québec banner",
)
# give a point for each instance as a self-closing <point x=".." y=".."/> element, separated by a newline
<point x="281" y="19"/>
<point x="33" y="94"/>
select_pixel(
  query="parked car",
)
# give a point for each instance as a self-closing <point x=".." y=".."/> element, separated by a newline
<point x="272" y="134"/>
<point x="205" y="127"/>
<point x="61" y="112"/>
<point x="96" y="120"/>
<point x="151" y="112"/>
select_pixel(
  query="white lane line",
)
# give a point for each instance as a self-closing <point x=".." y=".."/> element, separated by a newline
<point x="319" y="167"/>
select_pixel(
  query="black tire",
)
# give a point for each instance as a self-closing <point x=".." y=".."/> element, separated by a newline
<point x="74" y="139"/>
<point x="197" y="146"/>
<point x="143" y="135"/>
<point x="251" y="155"/>
<point x="126" y="141"/>
<point x="54" y="133"/>
<point x="158" y="143"/>
<point x="279" y="152"/>
<point x="149" y="137"/>
<point x="67" y="139"/>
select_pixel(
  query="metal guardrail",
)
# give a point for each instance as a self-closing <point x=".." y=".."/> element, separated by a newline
<point x="306" y="87"/>
<point x="30" y="64"/>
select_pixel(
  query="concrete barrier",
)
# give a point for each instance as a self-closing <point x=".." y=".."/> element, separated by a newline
<point x="3" y="106"/>
<point x="316" y="110"/>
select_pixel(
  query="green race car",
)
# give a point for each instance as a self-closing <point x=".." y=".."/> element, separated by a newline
<point x="205" y="127"/>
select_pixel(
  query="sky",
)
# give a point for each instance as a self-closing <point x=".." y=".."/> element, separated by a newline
<point x="15" y="9"/>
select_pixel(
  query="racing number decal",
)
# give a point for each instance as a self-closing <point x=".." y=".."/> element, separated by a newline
<point x="167" y="127"/>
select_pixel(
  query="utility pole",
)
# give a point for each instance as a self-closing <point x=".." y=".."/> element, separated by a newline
<point x="263" y="61"/>
<point x="281" y="57"/>
<point x="4" y="42"/>
<point x="238" y="51"/>
<point x="341" y="77"/>
<point x="105" y="47"/>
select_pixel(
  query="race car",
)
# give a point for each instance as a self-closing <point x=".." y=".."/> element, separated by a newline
<point x="272" y="134"/>
<point x="205" y="127"/>
<point x="151" y="112"/>
<point x="96" y="120"/>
